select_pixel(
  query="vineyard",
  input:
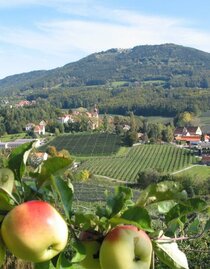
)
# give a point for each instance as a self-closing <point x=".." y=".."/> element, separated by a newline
<point x="87" y="144"/>
<point x="164" y="158"/>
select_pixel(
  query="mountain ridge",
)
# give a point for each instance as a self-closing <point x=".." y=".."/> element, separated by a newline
<point x="165" y="62"/>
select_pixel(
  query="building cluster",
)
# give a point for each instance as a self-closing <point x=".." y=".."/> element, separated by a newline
<point x="25" y="103"/>
<point x="75" y="115"/>
<point x="194" y="137"/>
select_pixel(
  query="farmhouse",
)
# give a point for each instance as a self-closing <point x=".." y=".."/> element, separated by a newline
<point x="38" y="129"/>
<point x="65" y="119"/>
<point x="188" y="134"/>
<point x="25" y="103"/>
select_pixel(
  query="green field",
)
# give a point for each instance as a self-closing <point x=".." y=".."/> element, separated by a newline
<point x="164" y="158"/>
<point x="87" y="144"/>
<point x="202" y="172"/>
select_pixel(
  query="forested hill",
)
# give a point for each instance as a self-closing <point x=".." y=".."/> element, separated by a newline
<point x="170" y="64"/>
<point x="150" y="80"/>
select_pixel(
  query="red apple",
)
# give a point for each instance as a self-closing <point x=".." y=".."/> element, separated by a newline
<point x="34" y="231"/>
<point x="126" y="247"/>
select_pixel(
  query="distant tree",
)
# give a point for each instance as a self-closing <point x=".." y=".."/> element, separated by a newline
<point x="130" y="138"/>
<point x="204" y="83"/>
<point x="132" y="122"/>
<point x="52" y="151"/>
<point x="168" y="134"/>
<point x="184" y="119"/>
<point x="105" y="122"/>
<point x="155" y="131"/>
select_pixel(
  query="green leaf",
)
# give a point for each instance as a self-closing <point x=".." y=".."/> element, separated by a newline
<point x="80" y="254"/>
<point x="165" y="206"/>
<point x="207" y="226"/>
<point x="194" y="227"/>
<point x="138" y="216"/>
<point x="44" y="265"/>
<point x="7" y="179"/>
<point x="168" y="252"/>
<point x="163" y="191"/>
<point x="62" y="262"/>
<point x="50" y="167"/>
<point x="190" y="206"/>
<point x="18" y="158"/>
<point x="2" y="252"/>
<point x="119" y="201"/>
<point x="86" y="221"/>
<point x="7" y="201"/>
<point x="65" y="192"/>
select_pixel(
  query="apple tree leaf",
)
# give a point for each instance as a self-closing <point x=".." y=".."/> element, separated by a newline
<point x="86" y="221"/>
<point x="7" y="201"/>
<point x="50" y="167"/>
<point x="7" y="179"/>
<point x="165" y="206"/>
<point x="2" y="252"/>
<point x="168" y="252"/>
<point x="62" y="262"/>
<point x="207" y="226"/>
<point x="65" y="191"/>
<point x="118" y="201"/>
<point x="194" y="227"/>
<point x="137" y="216"/>
<point x="80" y="252"/>
<point x="192" y="205"/>
<point x="18" y="157"/>
<point x="44" y="265"/>
<point x="162" y="191"/>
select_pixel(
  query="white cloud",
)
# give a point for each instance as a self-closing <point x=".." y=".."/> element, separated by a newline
<point x="63" y="41"/>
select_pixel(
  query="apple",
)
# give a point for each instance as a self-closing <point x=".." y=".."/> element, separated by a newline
<point x="126" y="247"/>
<point x="7" y="179"/>
<point x="92" y="248"/>
<point x="34" y="231"/>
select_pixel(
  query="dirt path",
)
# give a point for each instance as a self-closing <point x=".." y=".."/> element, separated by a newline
<point x="184" y="169"/>
<point x="112" y="179"/>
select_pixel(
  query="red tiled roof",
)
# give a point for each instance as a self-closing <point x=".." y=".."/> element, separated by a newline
<point x="195" y="138"/>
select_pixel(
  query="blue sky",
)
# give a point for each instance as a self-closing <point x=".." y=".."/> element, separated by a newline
<point x="45" y="34"/>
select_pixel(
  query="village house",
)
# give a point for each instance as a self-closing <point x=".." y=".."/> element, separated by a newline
<point x="25" y="103"/>
<point x="188" y="134"/>
<point x="65" y="119"/>
<point x="30" y="126"/>
<point x="38" y="129"/>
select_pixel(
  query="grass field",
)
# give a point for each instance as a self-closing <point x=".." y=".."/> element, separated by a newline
<point x="201" y="172"/>
<point x="87" y="144"/>
<point x="164" y="158"/>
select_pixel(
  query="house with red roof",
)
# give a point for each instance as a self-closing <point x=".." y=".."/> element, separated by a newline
<point x="188" y="134"/>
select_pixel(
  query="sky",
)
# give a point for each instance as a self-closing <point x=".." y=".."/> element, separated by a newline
<point x="45" y="34"/>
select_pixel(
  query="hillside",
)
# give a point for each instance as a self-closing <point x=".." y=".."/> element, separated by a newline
<point x="162" y="71"/>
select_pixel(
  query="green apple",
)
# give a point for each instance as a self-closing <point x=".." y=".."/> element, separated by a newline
<point x="92" y="248"/>
<point x="34" y="231"/>
<point x="126" y="247"/>
<point x="7" y="179"/>
<point x="91" y="260"/>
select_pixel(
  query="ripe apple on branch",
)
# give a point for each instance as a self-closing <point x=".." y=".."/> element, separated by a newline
<point x="40" y="224"/>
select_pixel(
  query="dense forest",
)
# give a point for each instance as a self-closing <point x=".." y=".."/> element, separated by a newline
<point x="148" y="80"/>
